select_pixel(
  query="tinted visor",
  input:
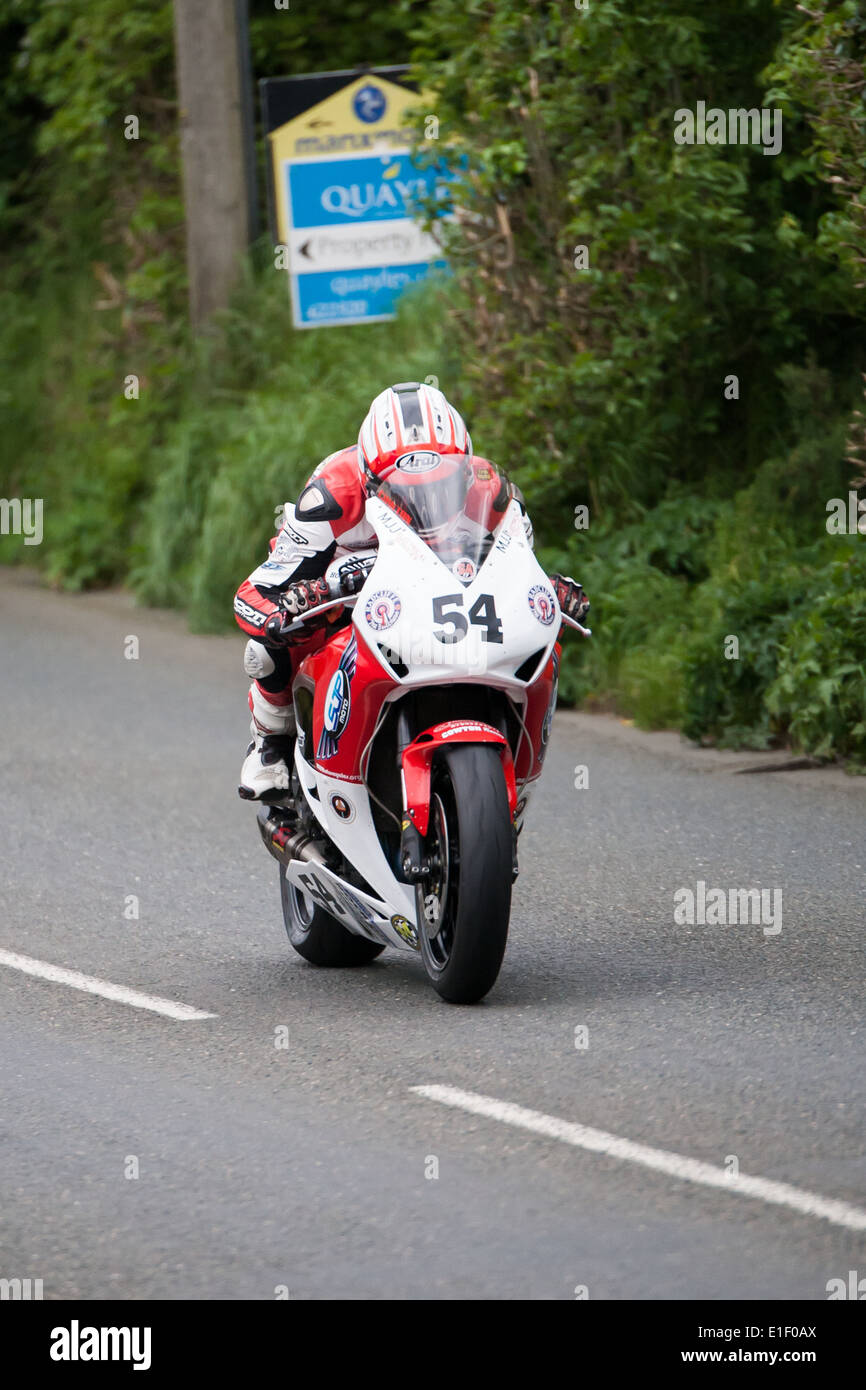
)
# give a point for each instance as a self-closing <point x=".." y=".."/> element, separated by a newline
<point x="428" y="503"/>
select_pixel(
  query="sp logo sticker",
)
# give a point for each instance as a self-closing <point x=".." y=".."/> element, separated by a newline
<point x="542" y="603"/>
<point x="338" y="702"/>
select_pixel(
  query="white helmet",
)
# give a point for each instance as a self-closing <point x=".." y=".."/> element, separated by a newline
<point x="409" y="419"/>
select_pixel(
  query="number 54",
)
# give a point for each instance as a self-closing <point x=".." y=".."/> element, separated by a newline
<point x="481" y="614"/>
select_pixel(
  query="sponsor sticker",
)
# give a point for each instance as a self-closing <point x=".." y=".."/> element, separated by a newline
<point x="404" y="929"/>
<point x="338" y="702"/>
<point x="548" y="718"/>
<point x="382" y="610"/>
<point x="342" y="808"/>
<point x="465" y="569"/>
<point x="542" y="603"/>
<point x="250" y="615"/>
<point x="362" y="913"/>
<point x="469" y="726"/>
<point x="288" y="532"/>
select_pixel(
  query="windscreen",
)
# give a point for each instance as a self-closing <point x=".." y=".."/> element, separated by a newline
<point x="453" y="510"/>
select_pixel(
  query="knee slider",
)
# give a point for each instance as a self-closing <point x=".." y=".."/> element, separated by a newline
<point x="258" y="662"/>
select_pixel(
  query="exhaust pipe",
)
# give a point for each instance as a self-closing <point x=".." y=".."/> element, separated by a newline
<point x="286" y="844"/>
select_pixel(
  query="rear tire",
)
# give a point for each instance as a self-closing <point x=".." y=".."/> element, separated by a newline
<point x="469" y="810"/>
<point x="316" y="935"/>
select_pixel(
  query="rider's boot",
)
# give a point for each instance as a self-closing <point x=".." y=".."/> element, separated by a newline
<point x="266" y="767"/>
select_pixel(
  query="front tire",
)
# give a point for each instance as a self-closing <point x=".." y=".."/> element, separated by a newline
<point x="464" y="932"/>
<point x="316" y="935"/>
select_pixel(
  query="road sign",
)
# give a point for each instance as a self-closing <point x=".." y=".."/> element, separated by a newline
<point x="344" y="190"/>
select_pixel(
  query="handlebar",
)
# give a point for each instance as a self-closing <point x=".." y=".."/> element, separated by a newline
<point x="320" y="608"/>
<point x="352" y="599"/>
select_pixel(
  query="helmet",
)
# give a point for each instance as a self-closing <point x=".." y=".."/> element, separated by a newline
<point x="412" y="427"/>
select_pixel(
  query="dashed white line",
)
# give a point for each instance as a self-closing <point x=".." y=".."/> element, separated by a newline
<point x="662" y="1160"/>
<point x="58" y="975"/>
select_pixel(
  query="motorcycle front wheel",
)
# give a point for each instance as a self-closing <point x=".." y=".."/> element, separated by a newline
<point x="465" y="905"/>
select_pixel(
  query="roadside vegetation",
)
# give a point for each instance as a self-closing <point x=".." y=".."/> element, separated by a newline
<point x="662" y="343"/>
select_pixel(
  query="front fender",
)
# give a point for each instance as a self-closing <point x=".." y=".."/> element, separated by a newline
<point x="418" y="757"/>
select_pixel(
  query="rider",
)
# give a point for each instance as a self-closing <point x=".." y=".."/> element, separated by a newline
<point x="409" y="425"/>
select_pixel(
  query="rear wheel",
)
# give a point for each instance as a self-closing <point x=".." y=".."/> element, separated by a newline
<point x="464" y="906"/>
<point x="316" y="935"/>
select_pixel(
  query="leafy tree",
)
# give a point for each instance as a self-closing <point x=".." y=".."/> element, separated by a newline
<point x="818" y="77"/>
<point x="610" y="280"/>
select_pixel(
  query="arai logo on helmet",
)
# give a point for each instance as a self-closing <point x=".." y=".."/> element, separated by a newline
<point x="382" y="610"/>
<point x="421" y="461"/>
<point x="337" y="703"/>
<point x="542" y="603"/>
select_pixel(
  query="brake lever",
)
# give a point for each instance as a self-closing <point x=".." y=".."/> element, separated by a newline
<point x="573" y="623"/>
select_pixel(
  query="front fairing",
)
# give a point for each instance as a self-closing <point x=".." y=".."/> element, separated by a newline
<point x="497" y="622"/>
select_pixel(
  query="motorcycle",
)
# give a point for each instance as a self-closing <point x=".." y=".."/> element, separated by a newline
<point x="422" y="724"/>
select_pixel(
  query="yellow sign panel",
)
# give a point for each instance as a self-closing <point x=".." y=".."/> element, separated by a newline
<point x="366" y="117"/>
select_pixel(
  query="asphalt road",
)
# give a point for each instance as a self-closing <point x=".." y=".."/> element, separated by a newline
<point x="311" y="1167"/>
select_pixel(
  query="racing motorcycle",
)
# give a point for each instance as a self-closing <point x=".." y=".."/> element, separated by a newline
<point x="422" y="724"/>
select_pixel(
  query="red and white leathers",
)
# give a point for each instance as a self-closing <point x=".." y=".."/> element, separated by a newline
<point x="328" y="520"/>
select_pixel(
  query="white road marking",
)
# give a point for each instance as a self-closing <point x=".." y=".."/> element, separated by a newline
<point x="662" y="1160"/>
<point x="119" y="993"/>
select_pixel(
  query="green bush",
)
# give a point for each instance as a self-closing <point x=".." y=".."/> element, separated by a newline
<point x="724" y="685"/>
<point x="639" y="576"/>
<point x="820" y="690"/>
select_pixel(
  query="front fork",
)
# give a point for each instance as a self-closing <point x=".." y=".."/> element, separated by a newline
<point x="414" y="757"/>
<point x="413" y="866"/>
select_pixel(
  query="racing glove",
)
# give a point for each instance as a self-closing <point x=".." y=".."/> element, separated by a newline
<point x="297" y="600"/>
<point x="572" y="600"/>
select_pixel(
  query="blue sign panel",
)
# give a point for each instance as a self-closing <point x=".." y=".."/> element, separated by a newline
<point x="354" y="296"/>
<point x="332" y="192"/>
